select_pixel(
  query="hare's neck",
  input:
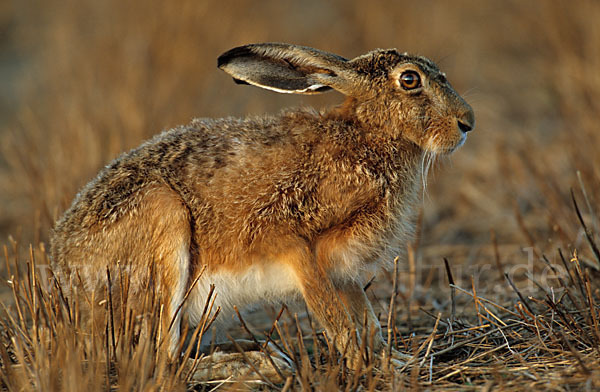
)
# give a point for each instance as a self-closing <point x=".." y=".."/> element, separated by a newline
<point x="414" y="164"/>
<point x="408" y="197"/>
<point x="407" y="164"/>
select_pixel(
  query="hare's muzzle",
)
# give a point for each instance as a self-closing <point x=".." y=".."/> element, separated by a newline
<point x="466" y="122"/>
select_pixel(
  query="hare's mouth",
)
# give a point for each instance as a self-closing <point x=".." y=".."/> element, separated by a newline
<point x="463" y="139"/>
<point x="437" y="145"/>
<point x="452" y="134"/>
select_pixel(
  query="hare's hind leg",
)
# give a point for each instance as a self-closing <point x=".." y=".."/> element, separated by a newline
<point x="168" y="221"/>
<point x="152" y="245"/>
<point x="146" y="253"/>
<point x="172" y="287"/>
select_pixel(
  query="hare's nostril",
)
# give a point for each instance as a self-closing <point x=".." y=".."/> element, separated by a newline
<point x="466" y="121"/>
<point x="464" y="127"/>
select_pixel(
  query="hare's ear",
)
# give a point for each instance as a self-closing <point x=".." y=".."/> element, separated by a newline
<point x="288" y="68"/>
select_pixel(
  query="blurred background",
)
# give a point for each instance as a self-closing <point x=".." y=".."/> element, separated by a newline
<point x="82" y="81"/>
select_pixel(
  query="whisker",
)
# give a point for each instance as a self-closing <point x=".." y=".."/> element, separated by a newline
<point x="423" y="172"/>
<point x="428" y="128"/>
<point x="427" y="161"/>
<point x="473" y="90"/>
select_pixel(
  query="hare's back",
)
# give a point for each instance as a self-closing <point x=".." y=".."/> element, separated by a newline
<point x="203" y="160"/>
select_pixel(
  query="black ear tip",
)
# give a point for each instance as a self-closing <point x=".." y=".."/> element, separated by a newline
<point x="224" y="59"/>
<point x="221" y="61"/>
<point x="240" y="51"/>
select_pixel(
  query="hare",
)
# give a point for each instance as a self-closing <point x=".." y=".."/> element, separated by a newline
<point x="305" y="204"/>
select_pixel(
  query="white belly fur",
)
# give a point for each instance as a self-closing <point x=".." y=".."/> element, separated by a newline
<point x="273" y="283"/>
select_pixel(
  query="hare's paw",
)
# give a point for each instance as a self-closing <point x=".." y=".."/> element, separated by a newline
<point x="396" y="358"/>
<point x="236" y="366"/>
<point x="275" y="352"/>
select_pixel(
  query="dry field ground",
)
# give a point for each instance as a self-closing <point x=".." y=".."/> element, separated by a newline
<point x="515" y="212"/>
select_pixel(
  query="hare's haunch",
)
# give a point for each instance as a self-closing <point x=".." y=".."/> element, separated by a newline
<point x="301" y="204"/>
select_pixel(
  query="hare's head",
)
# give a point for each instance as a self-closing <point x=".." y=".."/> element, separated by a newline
<point x="405" y="95"/>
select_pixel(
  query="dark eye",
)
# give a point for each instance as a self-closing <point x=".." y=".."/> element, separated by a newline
<point x="410" y="80"/>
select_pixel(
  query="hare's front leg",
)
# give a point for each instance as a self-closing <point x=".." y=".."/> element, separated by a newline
<point x="356" y="301"/>
<point x="327" y="306"/>
<point x="340" y="307"/>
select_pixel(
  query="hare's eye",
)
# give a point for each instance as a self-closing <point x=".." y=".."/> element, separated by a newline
<point x="410" y="80"/>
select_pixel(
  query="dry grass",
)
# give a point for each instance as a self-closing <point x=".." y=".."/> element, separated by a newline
<point x="102" y="76"/>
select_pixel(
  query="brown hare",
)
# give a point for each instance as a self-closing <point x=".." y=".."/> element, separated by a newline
<point x="303" y="204"/>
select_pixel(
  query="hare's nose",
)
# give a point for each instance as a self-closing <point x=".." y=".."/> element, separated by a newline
<point x="466" y="122"/>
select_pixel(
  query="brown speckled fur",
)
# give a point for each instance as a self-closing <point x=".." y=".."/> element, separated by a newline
<point x="329" y="194"/>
